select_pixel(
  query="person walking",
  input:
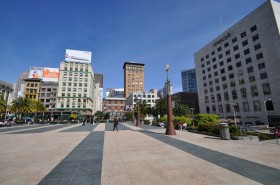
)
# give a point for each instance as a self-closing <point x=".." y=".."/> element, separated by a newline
<point x="91" y="121"/>
<point x="116" y="124"/>
<point x="84" y="122"/>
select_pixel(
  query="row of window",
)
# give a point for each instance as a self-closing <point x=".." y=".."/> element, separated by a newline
<point x="64" y="79"/>
<point x="243" y="94"/>
<point x="244" y="43"/>
<point x="245" y="107"/>
<point x="73" y="95"/>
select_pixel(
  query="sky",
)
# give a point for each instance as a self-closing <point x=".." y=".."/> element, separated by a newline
<point x="152" y="32"/>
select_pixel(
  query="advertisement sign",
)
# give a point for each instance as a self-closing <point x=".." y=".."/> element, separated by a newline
<point x="50" y="74"/>
<point x="36" y="72"/>
<point x="77" y="56"/>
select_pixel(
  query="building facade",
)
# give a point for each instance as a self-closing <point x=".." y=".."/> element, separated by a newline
<point x="76" y="83"/>
<point x="239" y="70"/>
<point x="133" y="78"/>
<point x="6" y="91"/>
<point x="32" y="88"/>
<point x="189" y="81"/>
<point x="48" y="94"/>
<point x="188" y="99"/>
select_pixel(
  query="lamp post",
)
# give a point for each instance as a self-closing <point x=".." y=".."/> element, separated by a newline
<point x="192" y="109"/>
<point x="170" y="130"/>
<point x="234" y="113"/>
<point x="137" y="100"/>
<point x="265" y="109"/>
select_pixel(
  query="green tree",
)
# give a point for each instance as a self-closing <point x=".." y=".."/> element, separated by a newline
<point x="3" y="105"/>
<point x="160" y="107"/>
<point x="206" y="121"/>
<point x="143" y="108"/>
<point x="180" y="110"/>
<point x="22" y="106"/>
<point x="38" y="106"/>
<point x="99" y="114"/>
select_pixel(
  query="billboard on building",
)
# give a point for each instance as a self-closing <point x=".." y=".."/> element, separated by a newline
<point x="36" y="72"/>
<point x="77" y="56"/>
<point x="50" y="74"/>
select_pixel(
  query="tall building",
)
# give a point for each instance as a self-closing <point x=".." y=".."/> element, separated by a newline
<point x="32" y="88"/>
<point x="115" y="92"/>
<point x="6" y="91"/>
<point x="133" y="78"/>
<point x="189" y="81"/>
<point x="76" y="83"/>
<point x="239" y="70"/>
<point x="98" y="78"/>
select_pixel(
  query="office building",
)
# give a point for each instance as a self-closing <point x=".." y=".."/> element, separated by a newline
<point x="76" y="83"/>
<point x="133" y="78"/>
<point x="239" y="70"/>
<point x="189" y="81"/>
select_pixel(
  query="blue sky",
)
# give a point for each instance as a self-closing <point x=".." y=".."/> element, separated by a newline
<point x="153" y="32"/>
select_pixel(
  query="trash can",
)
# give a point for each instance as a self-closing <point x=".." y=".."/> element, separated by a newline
<point x="224" y="131"/>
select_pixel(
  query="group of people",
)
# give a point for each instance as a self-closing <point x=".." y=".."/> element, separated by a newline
<point x="86" y="121"/>
<point x="182" y="126"/>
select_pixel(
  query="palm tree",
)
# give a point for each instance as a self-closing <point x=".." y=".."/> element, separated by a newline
<point x="38" y="107"/>
<point x="22" y="106"/>
<point x="143" y="106"/>
<point x="180" y="110"/>
<point x="160" y="108"/>
<point x="3" y="105"/>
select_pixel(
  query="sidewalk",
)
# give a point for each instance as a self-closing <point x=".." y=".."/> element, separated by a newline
<point x="97" y="155"/>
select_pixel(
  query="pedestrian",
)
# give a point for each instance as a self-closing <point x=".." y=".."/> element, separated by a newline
<point x="91" y="121"/>
<point x="116" y="124"/>
<point x="84" y="122"/>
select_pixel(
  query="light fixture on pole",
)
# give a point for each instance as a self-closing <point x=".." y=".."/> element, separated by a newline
<point x="192" y="109"/>
<point x="265" y="109"/>
<point x="234" y="113"/>
<point x="170" y="130"/>
<point x="137" y="101"/>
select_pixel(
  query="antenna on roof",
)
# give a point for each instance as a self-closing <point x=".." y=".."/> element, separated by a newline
<point x="221" y="24"/>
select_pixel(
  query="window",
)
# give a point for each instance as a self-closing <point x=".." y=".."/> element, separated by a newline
<point x="231" y="76"/>
<point x="216" y="73"/>
<point x="251" y="78"/>
<point x="206" y="99"/>
<point x="226" y="96"/>
<point x="257" y="46"/>
<point x="203" y="71"/>
<point x="241" y="81"/>
<point x="246" y="51"/>
<point x="217" y="81"/>
<point x="220" y="107"/>
<point x="204" y="78"/>
<point x="228" y="60"/>
<point x="209" y="76"/>
<point x="255" y="37"/>
<point x="224" y="86"/>
<point x="213" y="53"/>
<point x="253" y="28"/>
<point x="259" y="56"/>
<point x="222" y="71"/>
<point x="246" y="107"/>
<point x="219" y="97"/>
<point x="238" y="64"/>
<point x="217" y="88"/>
<point x="215" y="66"/>
<point x="245" y="43"/>
<point x="214" y="108"/>
<point x="243" y="34"/>
<point x="230" y="68"/>
<point x="254" y="91"/>
<point x="263" y="76"/>
<point x="256" y="105"/>
<point x="214" y="59"/>
<point x="266" y="89"/>
<point x="227" y="52"/>
<point x="232" y="84"/>
<point x="248" y="60"/>
<point x="250" y="69"/>
<point x="208" y="62"/>
<point x="226" y="44"/>
<point x="234" y="94"/>
<point x="235" y="48"/>
<point x="237" y="56"/>
<point x="243" y="93"/>
<point x="220" y="56"/>
<point x="234" y="40"/>
<point x="207" y="56"/>
<point x="219" y="48"/>
<point x="261" y="66"/>
<point x="212" y="98"/>
<point x="221" y="63"/>
<point x="209" y="69"/>
<point x="224" y="78"/>
<point x="227" y="108"/>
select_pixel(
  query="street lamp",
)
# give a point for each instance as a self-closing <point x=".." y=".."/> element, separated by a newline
<point x="137" y="100"/>
<point x="192" y="109"/>
<point x="234" y="113"/>
<point x="265" y="109"/>
<point x="170" y="130"/>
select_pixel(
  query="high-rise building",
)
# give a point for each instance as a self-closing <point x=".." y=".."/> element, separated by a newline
<point x="76" y="83"/>
<point x="98" y="78"/>
<point x="239" y="70"/>
<point x="189" y="81"/>
<point x="133" y="78"/>
<point x="6" y="91"/>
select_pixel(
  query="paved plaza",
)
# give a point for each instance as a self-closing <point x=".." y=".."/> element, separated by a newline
<point x="76" y="154"/>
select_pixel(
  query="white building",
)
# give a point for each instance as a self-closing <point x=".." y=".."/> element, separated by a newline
<point x="240" y="68"/>
<point x="76" y="83"/>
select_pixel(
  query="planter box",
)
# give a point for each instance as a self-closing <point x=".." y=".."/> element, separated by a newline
<point x="247" y="138"/>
